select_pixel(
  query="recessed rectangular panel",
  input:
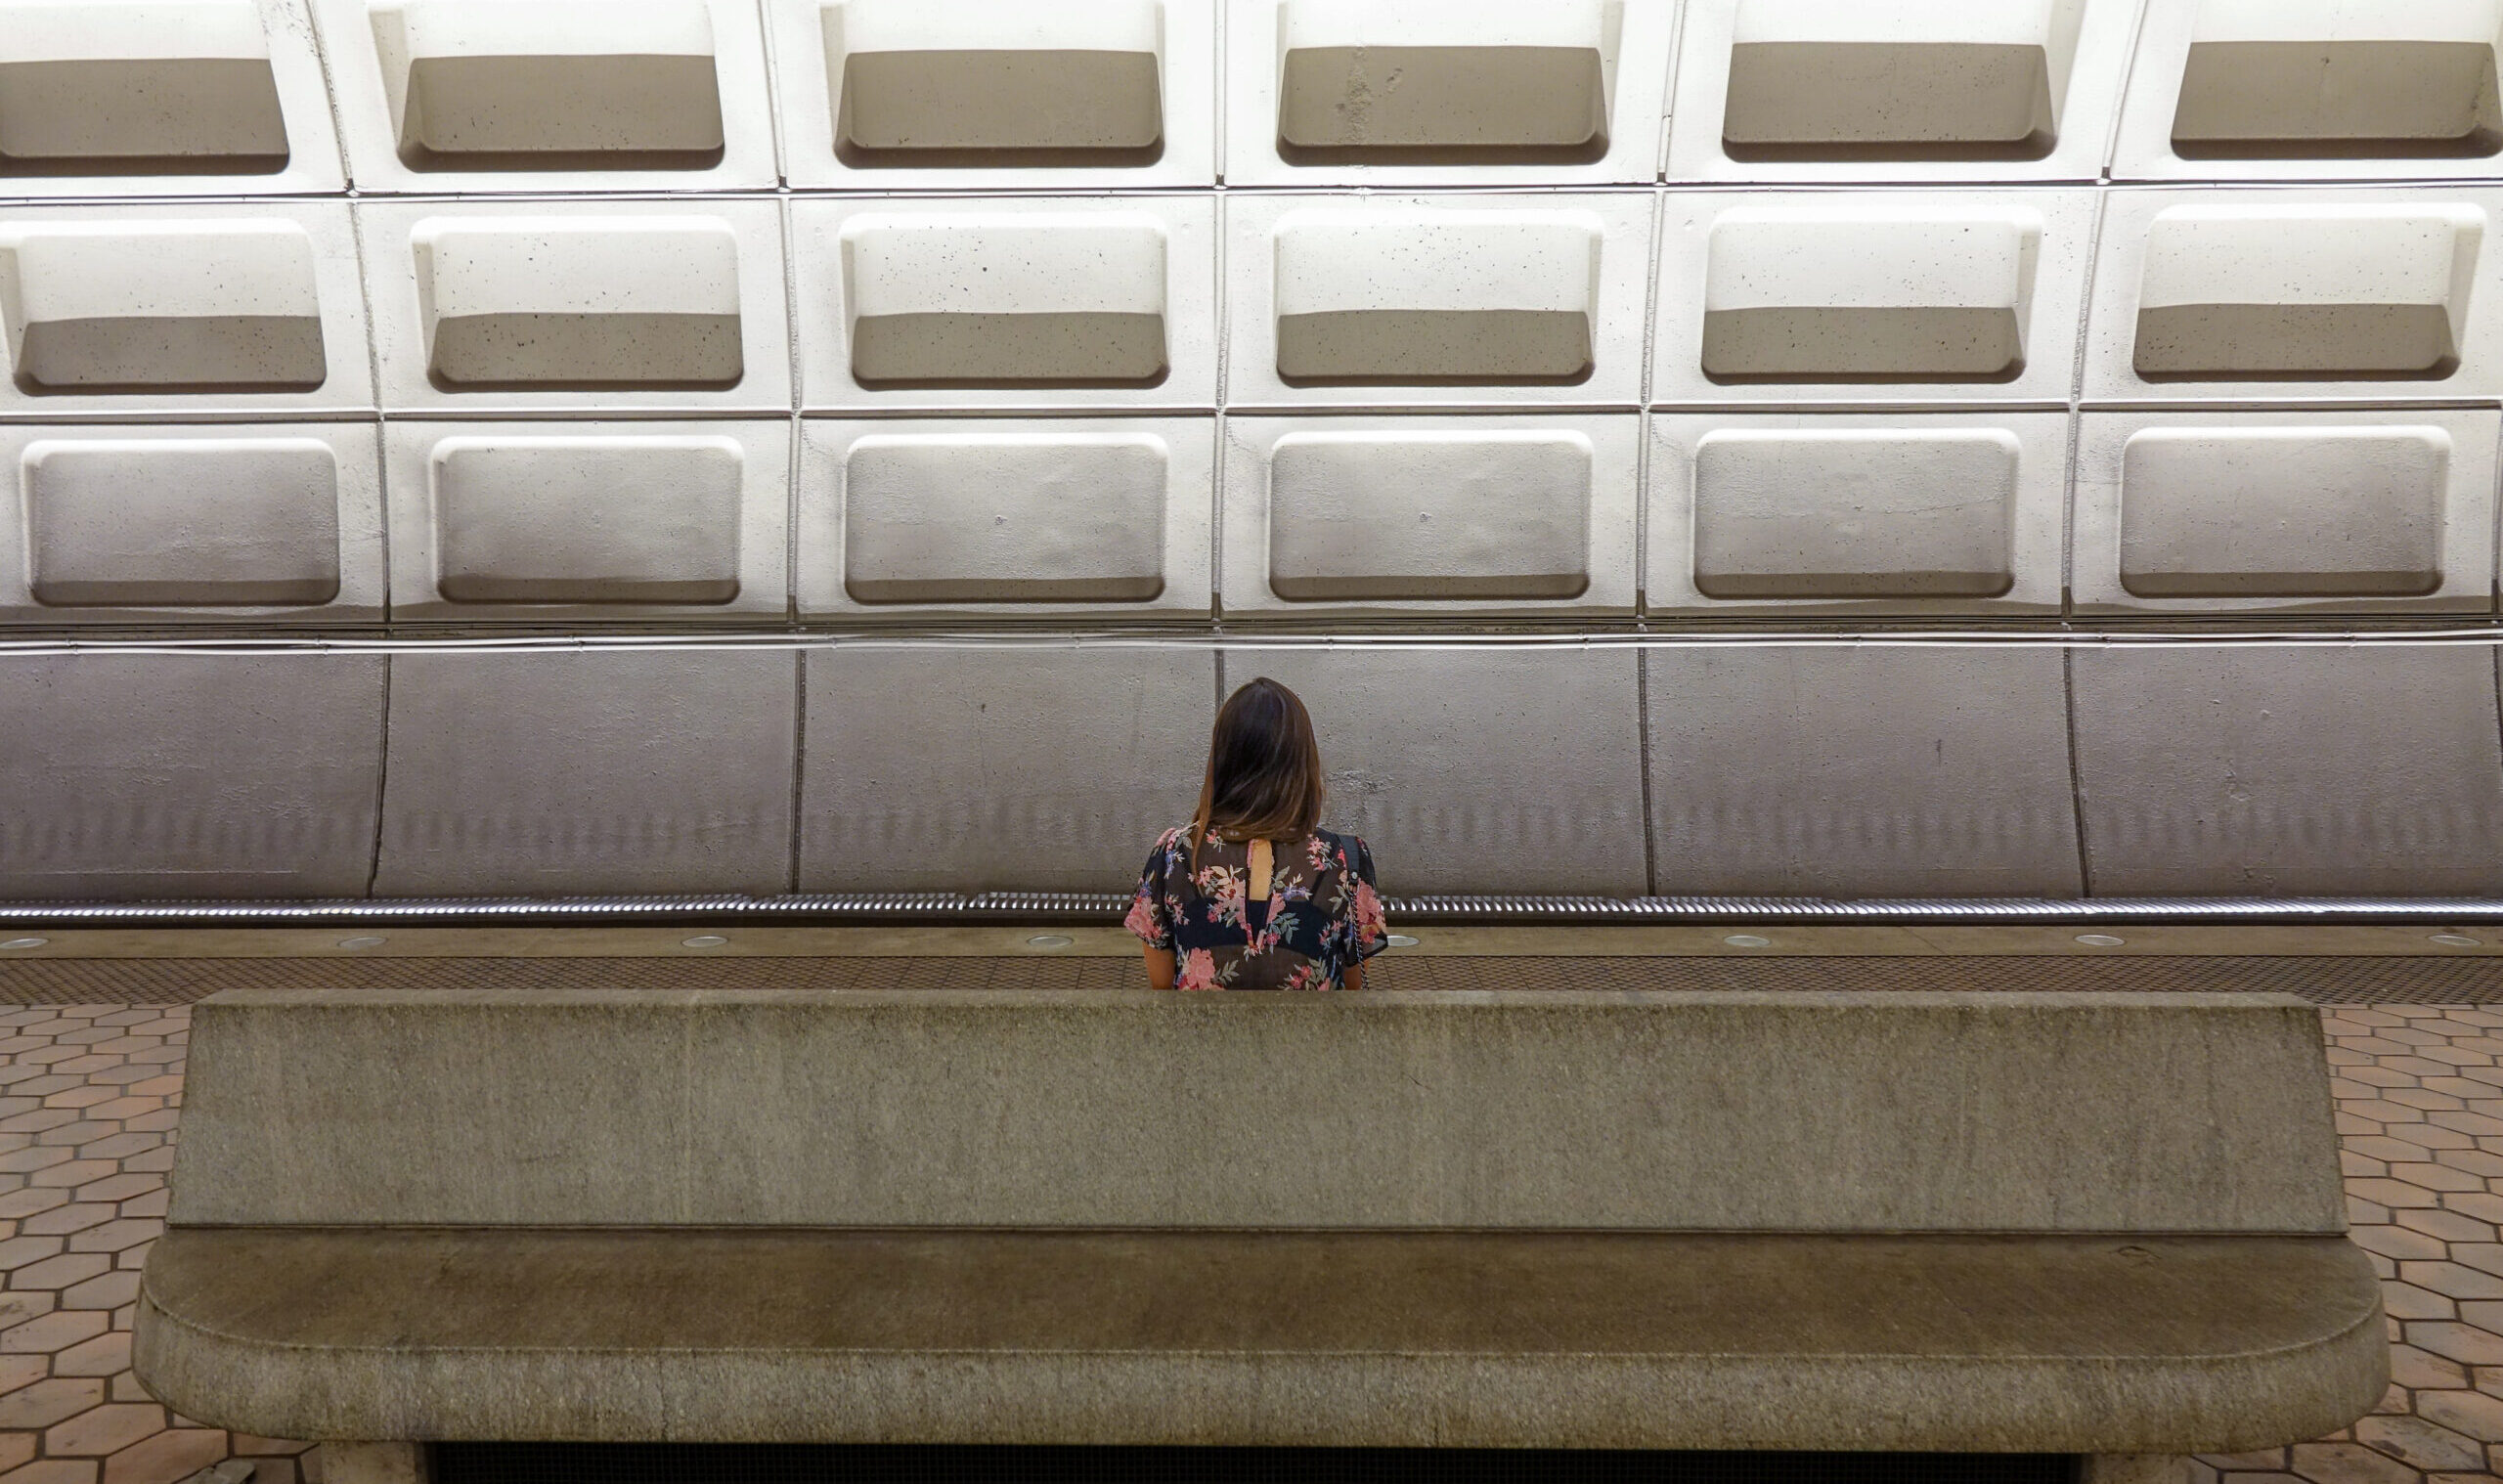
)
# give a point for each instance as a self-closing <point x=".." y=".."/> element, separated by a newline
<point x="127" y="87"/>
<point x="982" y="82"/>
<point x="1855" y="513"/>
<point x="2324" y="80"/>
<point x="1435" y="297"/>
<point x="1009" y="299"/>
<point x="2283" y="511"/>
<point x="177" y="305"/>
<point x="1810" y="100"/>
<point x="1375" y="517"/>
<point x="1442" y="81"/>
<point x="1004" y="518"/>
<point x="1886" y="79"/>
<point x="180" y="522"/>
<point x="1867" y="295"/>
<point x="580" y="302"/>
<point x="586" y="520"/>
<point x="2306" y="292"/>
<point x="553" y="84"/>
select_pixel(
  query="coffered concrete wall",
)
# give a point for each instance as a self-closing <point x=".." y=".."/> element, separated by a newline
<point x="558" y="446"/>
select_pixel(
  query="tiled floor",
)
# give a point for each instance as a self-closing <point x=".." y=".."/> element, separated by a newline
<point x="89" y="1096"/>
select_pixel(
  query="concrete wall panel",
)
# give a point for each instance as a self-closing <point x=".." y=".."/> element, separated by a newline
<point x="1946" y="296"/>
<point x="1329" y="516"/>
<point x="590" y="522"/>
<point x="211" y="98"/>
<point x="196" y="308"/>
<point x="2342" y="512"/>
<point x="1433" y="301"/>
<point x="2375" y="296"/>
<point x="1928" y="513"/>
<point x="1476" y="770"/>
<point x="1048" y="304"/>
<point x="958" y="767"/>
<point x="125" y="523"/>
<point x="189" y="775"/>
<point x="1935" y="90"/>
<point x="1006" y="518"/>
<point x="1862" y="773"/>
<point x="1064" y="94"/>
<point x="589" y="771"/>
<point x="579" y="306"/>
<point x="2295" y="771"/>
<point x="1459" y="92"/>
<point x="2281" y="89"/>
<point x="480" y="96"/>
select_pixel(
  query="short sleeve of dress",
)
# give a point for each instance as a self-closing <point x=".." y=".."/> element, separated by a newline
<point x="1369" y="931"/>
<point x="1151" y="915"/>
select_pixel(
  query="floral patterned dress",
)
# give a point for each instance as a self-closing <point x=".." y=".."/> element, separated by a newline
<point x="1323" y="916"/>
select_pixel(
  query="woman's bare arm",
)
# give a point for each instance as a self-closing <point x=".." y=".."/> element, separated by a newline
<point x="1354" y="978"/>
<point x="1160" y="968"/>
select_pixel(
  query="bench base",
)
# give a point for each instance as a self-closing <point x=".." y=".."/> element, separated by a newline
<point x="1920" y="1343"/>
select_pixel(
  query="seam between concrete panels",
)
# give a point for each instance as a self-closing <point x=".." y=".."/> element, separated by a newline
<point x="2121" y="96"/>
<point x="1643" y="757"/>
<point x="2076" y="776"/>
<point x="2076" y="403"/>
<point x="774" y="112"/>
<point x="338" y="139"/>
<point x="799" y="754"/>
<point x="381" y="777"/>
<point x="791" y="485"/>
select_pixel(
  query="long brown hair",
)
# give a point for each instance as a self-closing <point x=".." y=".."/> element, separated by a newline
<point x="1264" y="769"/>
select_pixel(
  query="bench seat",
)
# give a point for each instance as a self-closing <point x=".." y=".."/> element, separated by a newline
<point x="1583" y="1339"/>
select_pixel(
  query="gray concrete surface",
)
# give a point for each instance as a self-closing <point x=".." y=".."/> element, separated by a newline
<point x="1888" y="1112"/>
<point x="1861" y="772"/>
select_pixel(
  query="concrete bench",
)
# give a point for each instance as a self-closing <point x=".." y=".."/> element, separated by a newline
<point x="2108" y="1225"/>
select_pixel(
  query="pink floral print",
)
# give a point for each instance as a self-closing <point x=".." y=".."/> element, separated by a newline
<point x="1323" y="916"/>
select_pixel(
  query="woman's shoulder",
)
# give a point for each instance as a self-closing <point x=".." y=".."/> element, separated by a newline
<point x="1345" y="847"/>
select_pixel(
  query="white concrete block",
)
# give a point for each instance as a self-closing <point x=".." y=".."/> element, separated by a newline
<point x="1430" y="515"/>
<point x="1006" y="517"/>
<point x="1882" y="90"/>
<point x="199" y="776"/>
<point x="1007" y="302"/>
<point x="1862" y="771"/>
<point x="2288" y="512"/>
<point x="996" y="94"/>
<point x="2370" y="295"/>
<point x="2289" y="769"/>
<point x="580" y="305"/>
<point x="1855" y="297"/>
<point x="1034" y="767"/>
<point x="2296" y="89"/>
<point x="1932" y="513"/>
<point x="191" y="307"/>
<point x="590" y="522"/>
<point x="568" y="772"/>
<point x="1441" y="301"/>
<point x="1445" y="91"/>
<point x="124" y="523"/>
<point x="162" y="98"/>
<point x="531" y="95"/>
<point x="1475" y="769"/>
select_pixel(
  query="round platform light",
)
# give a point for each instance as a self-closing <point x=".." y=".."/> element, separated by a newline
<point x="705" y="941"/>
<point x="1400" y="941"/>
<point x="362" y="943"/>
<point x="1050" y="941"/>
<point x="2455" y="940"/>
<point x="2100" y="939"/>
<point x="25" y="942"/>
<point x="1747" y="940"/>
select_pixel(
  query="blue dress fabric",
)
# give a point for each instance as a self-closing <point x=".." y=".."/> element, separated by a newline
<point x="1324" y="915"/>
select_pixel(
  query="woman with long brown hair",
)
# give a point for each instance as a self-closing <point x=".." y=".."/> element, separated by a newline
<point x="1253" y="893"/>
